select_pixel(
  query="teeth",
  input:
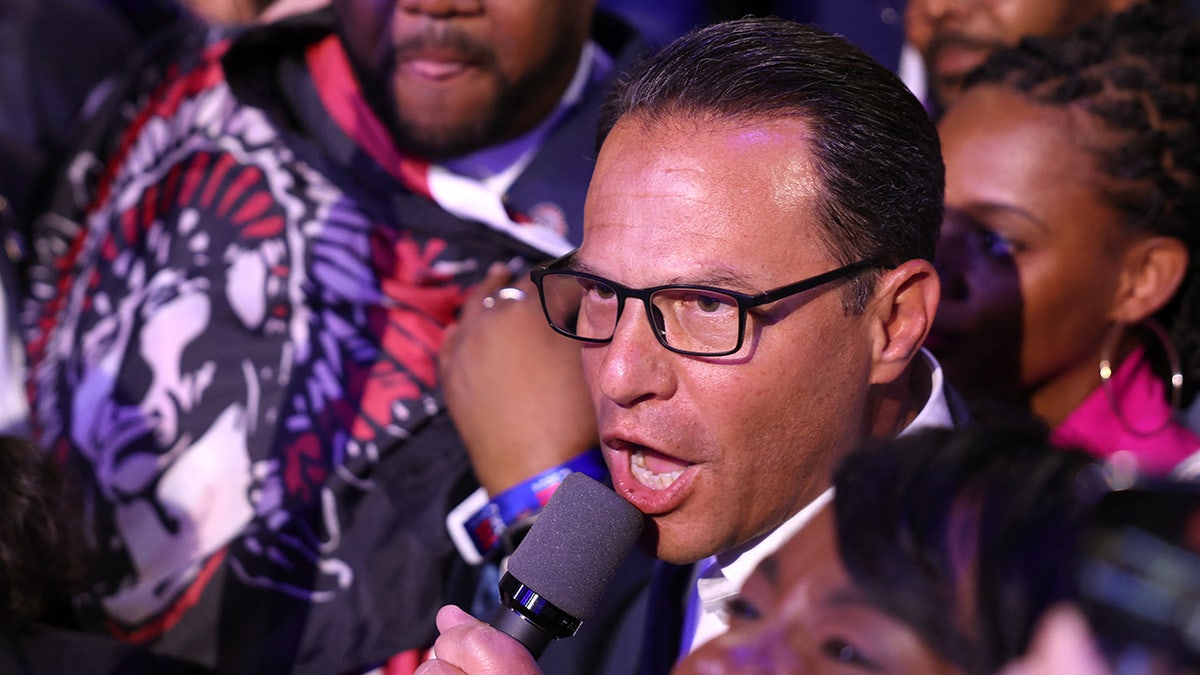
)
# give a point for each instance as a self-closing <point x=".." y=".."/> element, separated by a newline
<point x="654" y="481"/>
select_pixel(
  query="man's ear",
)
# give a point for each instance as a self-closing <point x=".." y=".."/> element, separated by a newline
<point x="1151" y="271"/>
<point x="901" y="315"/>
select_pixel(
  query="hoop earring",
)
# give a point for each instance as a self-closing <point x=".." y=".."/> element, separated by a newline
<point x="1107" y="370"/>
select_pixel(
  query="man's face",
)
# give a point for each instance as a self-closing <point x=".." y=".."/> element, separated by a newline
<point x="719" y="450"/>
<point x="454" y="76"/>
<point x="955" y="36"/>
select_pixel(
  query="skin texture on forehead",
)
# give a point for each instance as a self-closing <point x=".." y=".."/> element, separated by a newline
<point x="756" y="433"/>
<point x="723" y="196"/>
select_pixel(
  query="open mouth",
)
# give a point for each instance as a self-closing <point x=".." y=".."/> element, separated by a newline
<point x="659" y="478"/>
<point x="653" y="481"/>
<point x="652" y="469"/>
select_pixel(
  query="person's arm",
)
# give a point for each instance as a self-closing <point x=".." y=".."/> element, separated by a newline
<point x="469" y="646"/>
<point x="513" y="386"/>
<point x="515" y="391"/>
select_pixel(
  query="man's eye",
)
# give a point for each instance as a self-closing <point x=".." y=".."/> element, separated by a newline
<point x="697" y="302"/>
<point x="843" y="652"/>
<point x="709" y="303"/>
<point x="739" y="608"/>
<point x="602" y="291"/>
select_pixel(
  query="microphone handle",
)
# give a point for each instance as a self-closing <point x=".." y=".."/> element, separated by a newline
<point x="530" y="618"/>
<point x="510" y="622"/>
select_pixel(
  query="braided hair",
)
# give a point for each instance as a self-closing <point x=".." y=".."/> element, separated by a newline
<point x="1137" y="74"/>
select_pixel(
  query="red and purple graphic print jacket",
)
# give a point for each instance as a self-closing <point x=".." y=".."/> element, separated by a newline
<point x="233" y="338"/>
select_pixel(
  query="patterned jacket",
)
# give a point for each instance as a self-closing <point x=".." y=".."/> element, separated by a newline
<point x="237" y="309"/>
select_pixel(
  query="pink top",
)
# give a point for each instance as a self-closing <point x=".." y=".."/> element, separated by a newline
<point x="1141" y="397"/>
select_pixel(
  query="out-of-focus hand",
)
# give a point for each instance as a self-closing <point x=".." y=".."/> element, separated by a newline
<point x="282" y="9"/>
<point x="1062" y="643"/>
<point x="467" y="645"/>
<point x="513" y="386"/>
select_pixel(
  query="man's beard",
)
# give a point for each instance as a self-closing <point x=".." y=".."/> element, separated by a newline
<point x="945" y="89"/>
<point x="506" y="114"/>
<point x="448" y="142"/>
<point x="491" y="126"/>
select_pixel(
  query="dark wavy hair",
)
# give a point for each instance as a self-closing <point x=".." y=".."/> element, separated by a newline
<point x="967" y="536"/>
<point x="1137" y="74"/>
<point x="877" y="152"/>
<point x="41" y="556"/>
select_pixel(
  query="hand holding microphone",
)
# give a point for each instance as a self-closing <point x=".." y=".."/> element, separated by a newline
<point x="468" y="646"/>
<point x="555" y="579"/>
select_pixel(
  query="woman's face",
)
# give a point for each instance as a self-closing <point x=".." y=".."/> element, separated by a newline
<point x="1029" y="253"/>
<point x="800" y="613"/>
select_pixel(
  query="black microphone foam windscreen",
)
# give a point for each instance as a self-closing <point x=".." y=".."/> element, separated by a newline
<point x="576" y="544"/>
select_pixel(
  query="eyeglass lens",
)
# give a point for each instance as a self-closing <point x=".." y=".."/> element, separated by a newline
<point x="685" y="319"/>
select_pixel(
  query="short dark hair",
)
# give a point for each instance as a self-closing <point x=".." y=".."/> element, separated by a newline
<point x="876" y="150"/>
<point x="921" y="517"/>
<point x="1137" y="74"/>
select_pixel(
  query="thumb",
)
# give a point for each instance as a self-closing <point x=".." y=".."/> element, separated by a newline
<point x="476" y="648"/>
<point x="451" y="616"/>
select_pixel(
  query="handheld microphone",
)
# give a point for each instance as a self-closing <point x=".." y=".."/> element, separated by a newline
<point x="557" y="574"/>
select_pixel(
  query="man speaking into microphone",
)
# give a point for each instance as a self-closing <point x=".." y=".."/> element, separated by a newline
<point x="750" y="299"/>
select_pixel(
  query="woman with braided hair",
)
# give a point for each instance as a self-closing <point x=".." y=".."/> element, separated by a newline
<point x="1070" y="252"/>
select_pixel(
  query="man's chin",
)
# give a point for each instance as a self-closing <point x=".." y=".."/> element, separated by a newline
<point x="438" y="142"/>
<point x="674" y="547"/>
<point x="678" y="557"/>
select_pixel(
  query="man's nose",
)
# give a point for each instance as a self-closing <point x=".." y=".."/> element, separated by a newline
<point x="635" y="366"/>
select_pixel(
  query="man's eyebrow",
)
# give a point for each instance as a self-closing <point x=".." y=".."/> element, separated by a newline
<point x="719" y="276"/>
<point x="574" y="264"/>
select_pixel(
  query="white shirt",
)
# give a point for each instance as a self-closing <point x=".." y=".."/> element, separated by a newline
<point x="720" y="577"/>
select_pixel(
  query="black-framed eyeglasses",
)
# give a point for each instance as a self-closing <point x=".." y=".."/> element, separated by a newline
<point x="687" y="319"/>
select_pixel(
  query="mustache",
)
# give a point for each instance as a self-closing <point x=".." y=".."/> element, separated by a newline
<point x="442" y="36"/>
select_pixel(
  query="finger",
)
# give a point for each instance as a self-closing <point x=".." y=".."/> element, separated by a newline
<point x="450" y="616"/>
<point x="450" y="340"/>
<point x="478" y="648"/>
<point x="524" y="282"/>
<point x="498" y="276"/>
<point x="436" y="667"/>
